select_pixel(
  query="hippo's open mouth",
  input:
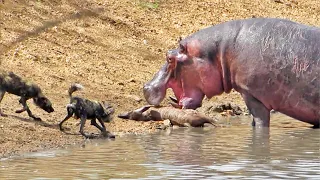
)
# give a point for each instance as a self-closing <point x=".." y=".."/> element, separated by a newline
<point x="155" y="90"/>
<point x="170" y="76"/>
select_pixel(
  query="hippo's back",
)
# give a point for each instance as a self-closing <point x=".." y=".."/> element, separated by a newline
<point x="276" y="60"/>
<point x="281" y="60"/>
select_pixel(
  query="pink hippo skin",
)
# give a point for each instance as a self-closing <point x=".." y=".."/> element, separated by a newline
<point x="272" y="63"/>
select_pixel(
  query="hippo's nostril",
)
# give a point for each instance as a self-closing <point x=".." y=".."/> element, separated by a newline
<point x="146" y="88"/>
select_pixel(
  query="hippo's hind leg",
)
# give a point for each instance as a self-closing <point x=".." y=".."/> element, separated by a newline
<point x="317" y="124"/>
<point x="260" y="113"/>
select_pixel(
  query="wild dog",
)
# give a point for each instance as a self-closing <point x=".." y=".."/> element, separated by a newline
<point x="14" y="84"/>
<point x="86" y="109"/>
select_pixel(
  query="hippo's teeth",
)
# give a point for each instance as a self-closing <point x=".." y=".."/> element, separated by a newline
<point x="175" y="102"/>
<point x="173" y="99"/>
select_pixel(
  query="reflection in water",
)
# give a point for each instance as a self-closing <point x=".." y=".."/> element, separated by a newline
<point x="238" y="152"/>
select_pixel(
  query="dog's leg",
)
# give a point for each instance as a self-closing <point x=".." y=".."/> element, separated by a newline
<point x="70" y="113"/>
<point x="2" y="92"/>
<point x="94" y="123"/>
<point x="104" y="130"/>
<point x="23" y="101"/>
<point x="83" y="119"/>
<point x="60" y="124"/>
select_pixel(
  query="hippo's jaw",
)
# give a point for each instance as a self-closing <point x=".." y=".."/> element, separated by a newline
<point x="186" y="98"/>
<point x="155" y="90"/>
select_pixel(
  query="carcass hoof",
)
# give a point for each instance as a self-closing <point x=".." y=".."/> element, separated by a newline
<point x="165" y="125"/>
<point x="162" y="127"/>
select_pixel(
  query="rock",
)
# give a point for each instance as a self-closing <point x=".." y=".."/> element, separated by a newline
<point x="167" y="123"/>
<point x="175" y="127"/>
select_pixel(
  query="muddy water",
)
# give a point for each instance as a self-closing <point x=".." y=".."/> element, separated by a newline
<point x="236" y="151"/>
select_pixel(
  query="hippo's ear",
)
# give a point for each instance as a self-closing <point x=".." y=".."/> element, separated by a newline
<point x="183" y="48"/>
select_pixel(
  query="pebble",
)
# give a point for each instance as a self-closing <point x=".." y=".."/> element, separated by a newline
<point x="167" y="122"/>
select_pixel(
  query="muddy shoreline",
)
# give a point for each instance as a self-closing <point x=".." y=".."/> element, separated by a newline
<point x="112" y="48"/>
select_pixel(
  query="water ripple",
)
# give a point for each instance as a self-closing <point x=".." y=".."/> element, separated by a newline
<point x="222" y="153"/>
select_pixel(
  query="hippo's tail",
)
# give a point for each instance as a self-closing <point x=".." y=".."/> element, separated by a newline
<point x="74" y="87"/>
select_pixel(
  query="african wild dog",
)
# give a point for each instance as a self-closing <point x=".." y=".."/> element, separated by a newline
<point x="86" y="109"/>
<point x="13" y="84"/>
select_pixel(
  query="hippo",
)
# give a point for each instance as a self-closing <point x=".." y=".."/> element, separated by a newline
<point x="273" y="63"/>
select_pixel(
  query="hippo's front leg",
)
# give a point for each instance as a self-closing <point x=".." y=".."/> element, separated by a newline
<point x="260" y="113"/>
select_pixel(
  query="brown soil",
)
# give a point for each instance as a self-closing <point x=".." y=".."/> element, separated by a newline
<point x="111" y="48"/>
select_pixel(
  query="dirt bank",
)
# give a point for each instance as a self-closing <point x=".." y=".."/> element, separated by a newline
<point x="111" y="48"/>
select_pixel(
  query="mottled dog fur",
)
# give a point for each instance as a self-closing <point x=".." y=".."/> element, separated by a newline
<point x="86" y="109"/>
<point x="13" y="84"/>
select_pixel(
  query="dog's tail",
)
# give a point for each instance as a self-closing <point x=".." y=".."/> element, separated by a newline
<point x="74" y="87"/>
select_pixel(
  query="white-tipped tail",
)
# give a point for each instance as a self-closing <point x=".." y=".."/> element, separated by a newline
<point x="78" y="86"/>
<point x="75" y="87"/>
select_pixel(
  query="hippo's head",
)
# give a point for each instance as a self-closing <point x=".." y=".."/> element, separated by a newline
<point x="189" y="72"/>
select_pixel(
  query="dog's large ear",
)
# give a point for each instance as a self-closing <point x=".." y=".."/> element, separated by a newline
<point x="44" y="100"/>
<point x="107" y="108"/>
<point x="39" y="100"/>
<point x="106" y="105"/>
